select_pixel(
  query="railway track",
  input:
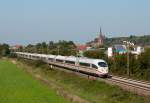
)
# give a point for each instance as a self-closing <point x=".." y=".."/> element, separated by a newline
<point x="138" y="87"/>
<point x="135" y="86"/>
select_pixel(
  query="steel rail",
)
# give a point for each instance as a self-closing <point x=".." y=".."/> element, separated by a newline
<point x="130" y="83"/>
<point x="133" y="80"/>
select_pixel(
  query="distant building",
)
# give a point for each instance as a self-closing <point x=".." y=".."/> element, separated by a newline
<point x="15" y="47"/>
<point x="82" y="49"/>
<point x="121" y="49"/>
<point x="110" y="52"/>
<point x="100" y="39"/>
<point x="97" y="42"/>
<point x="138" y="50"/>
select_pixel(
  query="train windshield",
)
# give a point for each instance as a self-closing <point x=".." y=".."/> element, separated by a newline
<point x="102" y="64"/>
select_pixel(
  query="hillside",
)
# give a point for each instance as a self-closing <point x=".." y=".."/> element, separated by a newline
<point x="137" y="40"/>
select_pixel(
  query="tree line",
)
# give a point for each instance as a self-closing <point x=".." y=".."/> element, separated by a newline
<point x="62" y="47"/>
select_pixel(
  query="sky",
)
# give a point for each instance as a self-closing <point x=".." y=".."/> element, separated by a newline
<point x="32" y="21"/>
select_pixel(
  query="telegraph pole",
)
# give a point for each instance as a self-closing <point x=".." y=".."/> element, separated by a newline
<point x="128" y="61"/>
<point x="128" y="43"/>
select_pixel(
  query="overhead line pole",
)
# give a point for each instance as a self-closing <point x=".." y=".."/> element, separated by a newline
<point x="128" y="43"/>
<point x="128" y="61"/>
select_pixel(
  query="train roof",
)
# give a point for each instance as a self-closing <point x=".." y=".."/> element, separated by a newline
<point x="70" y="58"/>
<point x="51" y="56"/>
<point x="89" y="60"/>
<point x="60" y="57"/>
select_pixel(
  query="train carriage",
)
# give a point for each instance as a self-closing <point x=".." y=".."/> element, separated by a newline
<point x="94" y="66"/>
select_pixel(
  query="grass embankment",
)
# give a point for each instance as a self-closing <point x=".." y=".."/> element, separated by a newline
<point x="16" y="86"/>
<point x="90" y="90"/>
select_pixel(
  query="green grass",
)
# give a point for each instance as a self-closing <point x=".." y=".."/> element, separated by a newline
<point x="92" y="91"/>
<point x="16" y="86"/>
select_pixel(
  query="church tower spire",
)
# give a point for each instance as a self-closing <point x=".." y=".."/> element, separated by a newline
<point x="101" y="37"/>
<point x="100" y="32"/>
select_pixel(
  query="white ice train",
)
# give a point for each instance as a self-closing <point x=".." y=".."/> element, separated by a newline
<point x="96" y="67"/>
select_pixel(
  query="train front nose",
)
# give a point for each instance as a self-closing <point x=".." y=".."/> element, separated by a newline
<point x="103" y="67"/>
<point x="104" y="70"/>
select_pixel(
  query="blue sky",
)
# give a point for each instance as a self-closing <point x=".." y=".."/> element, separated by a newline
<point x="32" y="21"/>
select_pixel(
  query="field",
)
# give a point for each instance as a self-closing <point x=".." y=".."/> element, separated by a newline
<point x="16" y="86"/>
<point x="90" y="90"/>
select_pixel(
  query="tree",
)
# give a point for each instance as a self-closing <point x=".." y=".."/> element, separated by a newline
<point x="66" y="48"/>
<point x="144" y="60"/>
<point x="51" y="45"/>
<point x="4" y="50"/>
<point x="30" y="48"/>
<point x="97" y="54"/>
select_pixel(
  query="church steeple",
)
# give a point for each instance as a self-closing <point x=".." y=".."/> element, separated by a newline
<point x="100" y="37"/>
<point x="100" y="32"/>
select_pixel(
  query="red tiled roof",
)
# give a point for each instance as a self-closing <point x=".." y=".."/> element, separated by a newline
<point x="82" y="47"/>
<point x="17" y="46"/>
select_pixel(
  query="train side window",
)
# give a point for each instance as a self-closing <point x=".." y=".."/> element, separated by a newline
<point x="43" y="58"/>
<point x="70" y="62"/>
<point x="102" y="64"/>
<point x="50" y="59"/>
<point x="85" y="64"/>
<point x="58" y="60"/>
<point x="94" y="66"/>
